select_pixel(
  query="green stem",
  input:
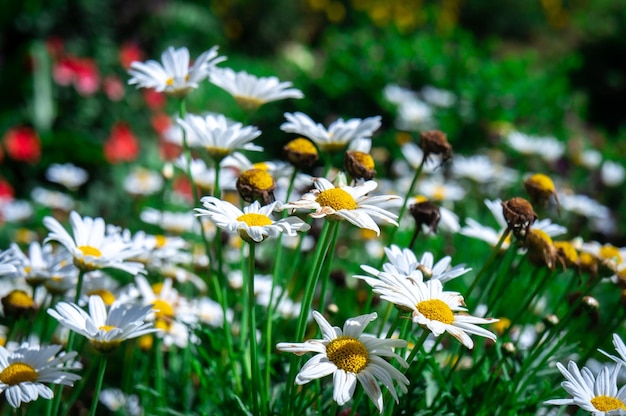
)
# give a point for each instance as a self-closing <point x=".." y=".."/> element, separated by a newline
<point x="318" y="260"/>
<point x="159" y="378"/>
<point x="101" y="368"/>
<point x="494" y="253"/>
<point x="326" y="270"/>
<point x="257" y="389"/>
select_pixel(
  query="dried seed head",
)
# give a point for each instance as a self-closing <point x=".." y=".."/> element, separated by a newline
<point x="519" y="215"/>
<point x="435" y="142"/>
<point x="256" y="184"/>
<point x="541" y="250"/>
<point x="301" y="153"/>
<point x="427" y="213"/>
<point x="359" y="165"/>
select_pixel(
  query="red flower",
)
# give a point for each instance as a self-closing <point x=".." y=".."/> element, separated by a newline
<point x="63" y="70"/>
<point x="82" y="72"/>
<point x="154" y="100"/>
<point x="6" y="190"/>
<point x="129" y="53"/>
<point x="23" y="144"/>
<point x="122" y="145"/>
<point x="113" y="88"/>
<point x="160" y="122"/>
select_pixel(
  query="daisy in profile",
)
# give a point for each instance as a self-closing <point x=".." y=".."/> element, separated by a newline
<point x="434" y="309"/>
<point x="548" y="148"/>
<point x="620" y="347"/>
<point x="174" y="76"/>
<point x="91" y="246"/>
<point x="351" y="357"/>
<point x="598" y="395"/>
<point x="52" y="199"/>
<point x="350" y="203"/>
<point x="254" y="224"/>
<point x="250" y="91"/>
<point x="67" y="174"/>
<point x="337" y="136"/>
<point x="220" y="136"/>
<point x="24" y="371"/>
<point x="104" y="329"/>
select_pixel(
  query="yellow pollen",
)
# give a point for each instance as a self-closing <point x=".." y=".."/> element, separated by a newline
<point x="568" y="250"/>
<point x="18" y="373"/>
<point x="19" y="299"/>
<point x="587" y="259"/>
<point x="145" y="342"/>
<point x="107" y="297"/>
<point x="106" y="328"/>
<point x="501" y="325"/>
<point x="439" y="193"/>
<point x="541" y="235"/>
<point x="162" y="309"/>
<point x="420" y="198"/>
<point x="27" y="269"/>
<point x="157" y="287"/>
<point x="162" y="324"/>
<point x="257" y="178"/>
<point x="610" y="252"/>
<point x="170" y="81"/>
<point x="542" y="182"/>
<point x="160" y="241"/>
<point x="253" y="219"/>
<point x="364" y="159"/>
<point x="302" y="145"/>
<point x="607" y="403"/>
<point x="261" y="165"/>
<point x="436" y="310"/>
<point x="337" y="199"/>
<point x="90" y="251"/>
<point x="348" y="354"/>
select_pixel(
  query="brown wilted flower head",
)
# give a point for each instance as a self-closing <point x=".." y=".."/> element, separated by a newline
<point x="359" y="165"/>
<point x="541" y="249"/>
<point x="256" y="184"/>
<point x="435" y="142"/>
<point x="17" y="303"/>
<point x="519" y="215"/>
<point x="424" y="212"/>
<point x="301" y="153"/>
<point x="540" y="188"/>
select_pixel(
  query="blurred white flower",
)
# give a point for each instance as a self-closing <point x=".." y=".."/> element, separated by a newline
<point x="612" y="173"/>
<point x="67" y="174"/>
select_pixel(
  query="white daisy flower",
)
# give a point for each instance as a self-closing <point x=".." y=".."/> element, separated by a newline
<point x="548" y="148"/>
<point x="612" y="173"/>
<point x="404" y="262"/>
<point x="220" y="136"/>
<point x="15" y="210"/>
<point x="52" y="199"/>
<point x="620" y="347"/>
<point x="349" y="203"/>
<point x="141" y="181"/>
<point x="104" y="329"/>
<point x="438" y="97"/>
<point x="351" y="357"/>
<point x="10" y="260"/>
<point x="24" y="370"/>
<point x="204" y="176"/>
<point x="436" y="188"/>
<point x="43" y="263"/>
<point x="253" y="224"/>
<point x="116" y="401"/>
<point x="478" y="168"/>
<point x="434" y="309"/>
<point x="585" y="206"/>
<point x="598" y="395"/>
<point x="174" y="75"/>
<point x="67" y="174"/>
<point x="91" y="247"/>
<point x="338" y="134"/>
<point x="250" y="91"/>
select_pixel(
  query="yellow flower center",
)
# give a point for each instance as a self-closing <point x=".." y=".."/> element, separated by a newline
<point x="27" y="269"/>
<point x="106" y="328"/>
<point x="348" y="354"/>
<point x="364" y="159"/>
<point x="301" y="145"/>
<point x="337" y="199"/>
<point x="160" y="241"/>
<point x="501" y="325"/>
<point x="19" y="299"/>
<point x="249" y="103"/>
<point x="218" y="153"/>
<point x="170" y="82"/>
<point x="107" y="297"/>
<point x="587" y="259"/>
<point x="568" y="250"/>
<point x="403" y="138"/>
<point x="253" y="219"/>
<point x="257" y="179"/>
<point x="90" y="251"/>
<point x="610" y="252"/>
<point x="17" y="373"/>
<point x="436" y="310"/>
<point x="261" y="165"/>
<point x="439" y="193"/>
<point x="542" y="182"/>
<point x="420" y="198"/>
<point x="332" y="147"/>
<point x="607" y="403"/>
<point x="157" y="287"/>
<point x="162" y="309"/>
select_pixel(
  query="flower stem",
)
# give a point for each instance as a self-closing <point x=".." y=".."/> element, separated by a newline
<point x="160" y="373"/>
<point x="257" y="389"/>
<point x="494" y="252"/>
<point x="102" y="365"/>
